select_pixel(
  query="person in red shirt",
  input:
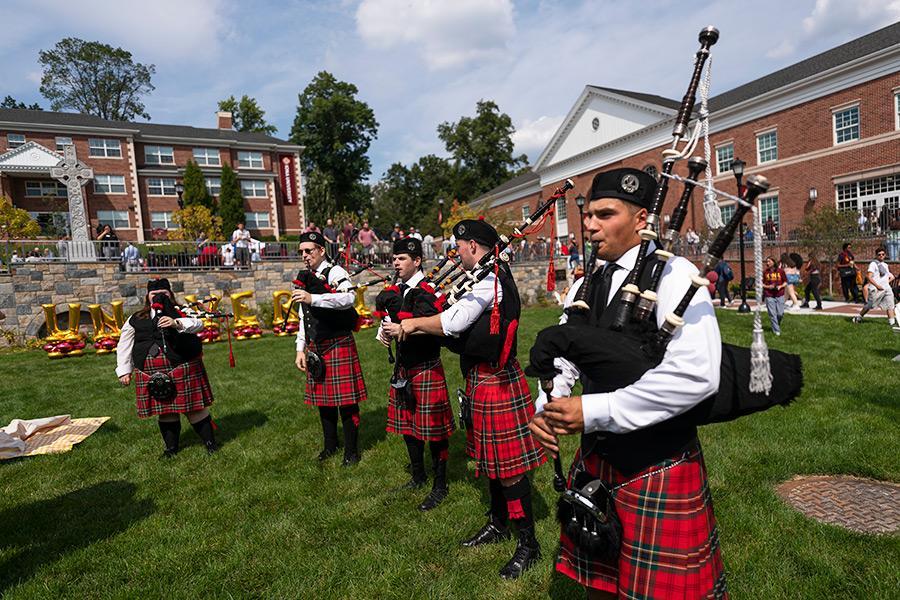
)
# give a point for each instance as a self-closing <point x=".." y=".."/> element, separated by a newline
<point x="774" y="282"/>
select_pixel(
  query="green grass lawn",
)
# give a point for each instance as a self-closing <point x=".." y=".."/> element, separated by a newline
<point x="263" y="519"/>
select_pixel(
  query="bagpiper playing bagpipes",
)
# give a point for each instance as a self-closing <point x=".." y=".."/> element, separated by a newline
<point x="636" y="511"/>
<point x="326" y="350"/>
<point x="159" y="350"/>
<point x="419" y="406"/>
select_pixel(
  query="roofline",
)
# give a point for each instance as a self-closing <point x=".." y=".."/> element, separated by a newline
<point x="49" y="127"/>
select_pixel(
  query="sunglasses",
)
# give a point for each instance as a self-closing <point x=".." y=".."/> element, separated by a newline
<point x="307" y="250"/>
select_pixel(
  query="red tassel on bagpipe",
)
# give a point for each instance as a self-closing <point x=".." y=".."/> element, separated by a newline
<point x="495" y="311"/>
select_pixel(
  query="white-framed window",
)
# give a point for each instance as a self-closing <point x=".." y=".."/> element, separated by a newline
<point x="526" y="211"/>
<point x="53" y="224"/>
<point x="207" y="157"/>
<point x="868" y="193"/>
<point x="104" y="148"/>
<point x="253" y="188"/>
<point x="14" y="140"/>
<point x="727" y="211"/>
<point x="769" y="208"/>
<point x="767" y="147"/>
<point x="256" y="220"/>
<point x="109" y="184"/>
<point x="250" y="160"/>
<point x="846" y="124"/>
<point x="113" y="218"/>
<point x="897" y="110"/>
<point x="561" y="213"/>
<point x="161" y="186"/>
<point x="724" y="158"/>
<point x="162" y="220"/>
<point x="62" y="142"/>
<point x="159" y="155"/>
<point x="45" y="189"/>
<point x="213" y="185"/>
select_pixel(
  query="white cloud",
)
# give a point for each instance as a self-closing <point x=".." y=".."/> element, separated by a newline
<point x="447" y="33"/>
<point x="533" y="135"/>
<point x="830" y="17"/>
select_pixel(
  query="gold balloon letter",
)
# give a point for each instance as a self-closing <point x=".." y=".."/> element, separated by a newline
<point x="246" y="325"/>
<point x="282" y="305"/>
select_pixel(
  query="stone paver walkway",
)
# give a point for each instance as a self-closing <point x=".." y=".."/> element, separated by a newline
<point x="855" y="503"/>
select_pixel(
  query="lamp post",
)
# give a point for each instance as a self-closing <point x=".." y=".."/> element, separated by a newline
<point x="179" y="189"/>
<point x="737" y="167"/>
<point x="579" y="202"/>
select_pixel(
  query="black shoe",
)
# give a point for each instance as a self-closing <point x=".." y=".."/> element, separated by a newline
<point x="326" y="454"/>
<point x="434" y="498"/>
<point x="211" y="447"/>
<point x="818" y="308"/>
<point x="527" y="553"/>
<point x="489" y="534"/>
<point x="170" y="452"/>
<point x="804" y="305"/>
<point x="351" y="460"/>
<point x="413" y="484"/>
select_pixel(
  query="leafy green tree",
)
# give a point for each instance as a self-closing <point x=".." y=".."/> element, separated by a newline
<point x="410" y="195"/>
<point x="95" y="79"/>
<point x="247" y="115"/>
<point x="195" y="190"/>
<point x="336" y="129"/>
<point x="482" y="150"/>
<point x="195" y="222"/>
<point x="823" y="231"/>
<point x="10" y="102"/>
<point x="231" y="202"/>
<point x="16" y="223"/>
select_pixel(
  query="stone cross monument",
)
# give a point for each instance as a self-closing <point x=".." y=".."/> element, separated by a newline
<point x="74" y="175"/>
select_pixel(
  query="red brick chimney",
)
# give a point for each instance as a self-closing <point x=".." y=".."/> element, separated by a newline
<point x="225" y="121"/>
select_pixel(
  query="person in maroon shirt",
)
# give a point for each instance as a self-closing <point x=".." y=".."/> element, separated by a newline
<point x="774" y="282"/>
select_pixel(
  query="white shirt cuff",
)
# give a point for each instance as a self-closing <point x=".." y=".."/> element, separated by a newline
<point x="595" y="411"/>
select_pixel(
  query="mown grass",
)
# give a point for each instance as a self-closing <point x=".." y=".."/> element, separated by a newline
<point x="262" y="519"/>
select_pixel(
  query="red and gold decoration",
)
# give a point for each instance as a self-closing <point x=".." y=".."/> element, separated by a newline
<point x="211" y="331"/>
<point x="285" y="320"/>
<point x="246" y="324"/>
<point x="61" y="343"/>
<point x="107" y="327"/>
<point x="366" y="319"/>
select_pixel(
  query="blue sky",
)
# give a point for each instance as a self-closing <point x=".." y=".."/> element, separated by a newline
<point x="421" y="62"/>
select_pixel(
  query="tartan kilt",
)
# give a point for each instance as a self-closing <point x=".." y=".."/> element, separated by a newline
<point x="343" y="383"/>
<point x="194" y="391"/>
<point x="670" y="543"/>
<point x="501" y="443"/>
<point x="431" y="419"/>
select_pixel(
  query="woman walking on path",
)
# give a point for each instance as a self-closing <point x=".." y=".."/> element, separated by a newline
<point x="813" y="282"/>
<point x="792" y="272"/>
<point x="774" y="283"/>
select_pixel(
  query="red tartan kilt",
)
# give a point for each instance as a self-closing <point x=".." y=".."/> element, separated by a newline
<point x="431" y="419"/>
<point x="670" y="543"/>
<point x="501" y="442"/>
<point x="194" y="391"/>
<point x="343" y="382"/>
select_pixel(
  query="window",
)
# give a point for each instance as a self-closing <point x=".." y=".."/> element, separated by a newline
<point x="250" y="160"/>
<point x="161" y="186"/>
<point x="14" y="140"/>
<point x="162" y="220"/>
<point x="159" y="155"/>
<point x="897" y="110"/>
<point x="109" y="184"/>
<point x="207" y="157"/>
<point x="253" y="188"/>
<point x="868" y="193"/>
<point x="213" y="185"/>
<point x="256" y="220"/>
<point x="767" y="147"/>
<point x="104" y="148"/>
<point x="44" y="189"/>
<point x="113" y="218"/>
<point x="724" y="158"/>
<point x="52" y="224"/>
<point x="62" y="142"/>
<point x="561" y="212"/>
<point x="769" y="208"/>
<point x="727" y="212"/>
<point x="526" y="211"/>
<point x="846" y="125"/>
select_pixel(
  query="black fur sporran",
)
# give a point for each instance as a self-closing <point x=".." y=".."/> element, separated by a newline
<point x="161" y="387"/>
<point x="588" y="515"/>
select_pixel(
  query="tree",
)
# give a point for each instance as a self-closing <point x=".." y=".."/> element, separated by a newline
<point x="231" y="202"/>
<point x="95" y="79"/>
<point x="10" y="102"/>
<point x="195" y="190"/>
<point x="336" y="130"/>
<point x="16" y="223"/>
<point x="824" y="230"/>
<point x="196" y="222"/>
<point x="247" y="115"/>
<point x="482" y="149"/>
<point x="410" y="195"/>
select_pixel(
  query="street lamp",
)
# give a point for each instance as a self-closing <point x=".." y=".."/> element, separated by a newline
<point x="179" y="189"/>
<point x="737" y="167"/>
<point x="579" y="202"/>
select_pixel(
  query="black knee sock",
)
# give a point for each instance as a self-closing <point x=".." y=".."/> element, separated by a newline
<point x="416" y="450"/>
<point x="498" y="512"/>
<point x="204" y="429"/>
<point x="350" y="422"/>
<point x="439" y="453"/>
<point x="518" y="503"/>
<point x="328" y="415"/>
<point x="171" y="431"/>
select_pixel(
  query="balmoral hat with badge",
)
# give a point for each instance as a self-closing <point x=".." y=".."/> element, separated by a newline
<point x="311" y="236"/>
<point x="630" y="185"/>
<point x="410" y="246"/>
<point x="477" y="230"/>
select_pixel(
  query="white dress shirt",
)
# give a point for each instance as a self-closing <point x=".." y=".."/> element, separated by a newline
<point x="457" y="318"/>
<point x="126" y="340"/>
<point x="688" y="373"/>
<point x="411" y="282"/>
<point x="338" y="279"/>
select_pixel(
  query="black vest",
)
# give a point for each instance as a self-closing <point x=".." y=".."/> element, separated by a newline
<point x="325" y="323"/>
<point x="634" y="451"/>
<point x="179" y="347"/>
<point x="477" y="345"/>
<point x="417" y="349"/>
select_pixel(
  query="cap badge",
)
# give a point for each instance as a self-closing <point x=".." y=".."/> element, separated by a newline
<point x="461" y="229"/>
<point x="629" y="183"/>
<point x="410" y="246"/>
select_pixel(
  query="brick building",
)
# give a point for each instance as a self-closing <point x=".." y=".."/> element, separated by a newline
<point x="824" y="130"/>
<point x="136" y="167"/>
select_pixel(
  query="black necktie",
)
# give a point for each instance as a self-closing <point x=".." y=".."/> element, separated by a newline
<point x="403" y="287"/>
<point x="601" y="295"/>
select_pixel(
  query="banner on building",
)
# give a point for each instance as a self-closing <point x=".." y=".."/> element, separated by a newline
<point x="288" y="173"/>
